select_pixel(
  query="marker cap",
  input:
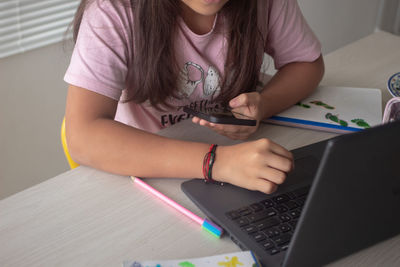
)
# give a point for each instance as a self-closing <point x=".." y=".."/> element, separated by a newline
<point x="212" y="228"/>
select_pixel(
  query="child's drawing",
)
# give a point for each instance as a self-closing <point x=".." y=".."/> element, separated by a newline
<point x="322" y="104"/>
<point x="236" y="259"/>
<point x="303" y="105"/>
<point x="351" y="109"/>
<point x="186" y="264"/>
<point x="230" y="263"/>
<point x="361" y="123"/>
<point x="335" y="118"/>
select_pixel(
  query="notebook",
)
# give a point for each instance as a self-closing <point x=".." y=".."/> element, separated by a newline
<point x="335" y="109"/>
<point x="344" y="195"/>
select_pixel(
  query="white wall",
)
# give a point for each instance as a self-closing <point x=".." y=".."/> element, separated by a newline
<point x="32" y="101"/>
<point x="32" y="93"/>
<point x="339" y="22"/>
<point x="389" y="16"/>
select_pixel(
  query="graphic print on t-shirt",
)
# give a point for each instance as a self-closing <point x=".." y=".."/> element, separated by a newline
<point x="189" y="79"/>
<point x="211" y="83"/>
<point x="192" y="74"/>
<point x="187" y="82"/>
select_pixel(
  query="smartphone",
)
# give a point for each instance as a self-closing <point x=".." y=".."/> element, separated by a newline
<point x="221" y="116"/>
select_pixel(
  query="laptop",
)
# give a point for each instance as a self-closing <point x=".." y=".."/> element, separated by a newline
<point x="343" y="196"/>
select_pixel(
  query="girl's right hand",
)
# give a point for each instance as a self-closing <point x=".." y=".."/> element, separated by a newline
<point x="257" y="165"/>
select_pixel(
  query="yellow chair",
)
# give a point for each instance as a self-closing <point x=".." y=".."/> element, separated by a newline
<point x="71" y="162"/>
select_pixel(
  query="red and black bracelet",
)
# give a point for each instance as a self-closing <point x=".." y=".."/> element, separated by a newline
<point x="208" y="163"/>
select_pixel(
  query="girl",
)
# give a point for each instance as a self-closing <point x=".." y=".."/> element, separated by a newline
<point x="137" y="63"/>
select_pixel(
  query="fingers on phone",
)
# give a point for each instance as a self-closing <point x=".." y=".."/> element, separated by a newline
<point x="195" y="119"/>
<point x="239" y="132"/>
<point x="229" y="128"/>
<point x="235" y="135"/>
<point x="205" y="123"/>
<point x="240" y="100"/>
<point x="231" y="131"/>
<point x="199" y="121"/>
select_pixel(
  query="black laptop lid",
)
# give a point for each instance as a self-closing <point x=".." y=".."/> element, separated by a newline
<point x="355" y="199"/>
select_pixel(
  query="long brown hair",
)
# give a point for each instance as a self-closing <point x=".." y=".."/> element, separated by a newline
<point x="153" y="74"/>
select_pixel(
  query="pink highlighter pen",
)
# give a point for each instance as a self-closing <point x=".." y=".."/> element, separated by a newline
<point x="207" y="225"/>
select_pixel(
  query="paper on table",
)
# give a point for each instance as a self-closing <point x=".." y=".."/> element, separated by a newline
<point x="335" y="109"/>
<point x="242" y="258"/>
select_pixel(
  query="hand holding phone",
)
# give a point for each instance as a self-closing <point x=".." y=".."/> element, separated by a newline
<point x="221" y="116"/>
<point x="241" y="121"/>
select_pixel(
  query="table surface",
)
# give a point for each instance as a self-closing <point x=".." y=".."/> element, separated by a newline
<point x="86" y="217"/>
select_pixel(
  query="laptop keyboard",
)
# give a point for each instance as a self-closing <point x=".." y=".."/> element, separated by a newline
<point x="271" y="222"/>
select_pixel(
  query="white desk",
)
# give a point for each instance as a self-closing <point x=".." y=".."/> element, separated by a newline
<point x="85" y="217"/>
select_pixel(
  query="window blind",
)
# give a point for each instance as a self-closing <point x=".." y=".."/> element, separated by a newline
<point x="29" y="24"/>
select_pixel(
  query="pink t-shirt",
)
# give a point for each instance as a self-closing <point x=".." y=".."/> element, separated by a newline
<point x="100" y="58"/>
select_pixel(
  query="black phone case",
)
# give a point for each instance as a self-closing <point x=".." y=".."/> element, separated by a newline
<point x="221" y="119"/>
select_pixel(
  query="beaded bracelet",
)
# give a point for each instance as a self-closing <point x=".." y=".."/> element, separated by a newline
<point x="208" y="163"/>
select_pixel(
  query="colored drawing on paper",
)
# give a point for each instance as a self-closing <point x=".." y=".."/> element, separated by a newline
<point x="303" y="105"/>
<point x="361" y="123"/>
<point x="230" y="263"/>
<point x="322" y="104"/>
<point x="335" y="118"/>
<point x="236" y="259"/>
<point x="186" y="264"/>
